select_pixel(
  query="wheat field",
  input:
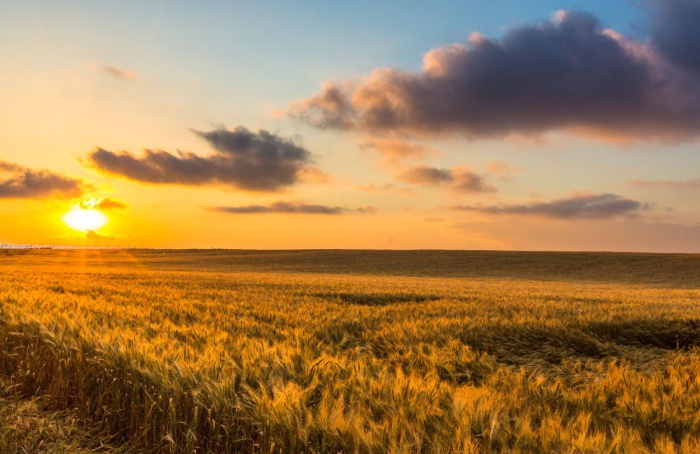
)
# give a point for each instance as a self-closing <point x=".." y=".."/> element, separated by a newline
<point x="349" y="351"/>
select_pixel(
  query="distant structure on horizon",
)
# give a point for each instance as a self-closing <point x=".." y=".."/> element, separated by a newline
<point x="54" y="246"/>
<point x="23" y="246"/>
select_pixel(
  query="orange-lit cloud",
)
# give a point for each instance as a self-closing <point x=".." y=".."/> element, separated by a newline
<point x="313" y="175"/>
<point x="394" y="150"/>
<point x="104" y="203"/>
<point x="501" y="168"/>
<point x="386" y="187"/>
<point x="24" y="183"/>
<point x="583" y="206"/>
<point x="243" y="159"/>
<point x="110" y="204"/>
<point x="568" y="74"/>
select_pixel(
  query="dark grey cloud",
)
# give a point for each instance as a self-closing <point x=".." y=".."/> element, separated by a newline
<point x="588" y="206"/>
<point x="676" y="31"/>
<point x="282" y="207"/>
<point x="460" y="180"/>
<point x="17" y="182"/>
<point x="244" y="159"/>
<point x="567" y="74"/>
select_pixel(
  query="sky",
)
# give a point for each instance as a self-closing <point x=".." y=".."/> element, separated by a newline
<point x="510" y="125"/>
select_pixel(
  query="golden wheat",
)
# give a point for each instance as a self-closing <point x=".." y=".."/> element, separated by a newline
<point x="180" y="352"/>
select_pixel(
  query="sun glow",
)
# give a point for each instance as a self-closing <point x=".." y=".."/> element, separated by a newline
<point x="83" y="220"/>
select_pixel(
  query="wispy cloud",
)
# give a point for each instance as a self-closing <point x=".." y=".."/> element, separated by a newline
<point x="394" y="150"/>
<point x="674" y="184"/>
<point x="292" y="208"/>
<point x="456" y="179"/>
<point x="92" y="235"/>
<point x="281" y="207"/>
<point x="568" y="74"/>
<point x="244" y="159"/>
<point x="23" y="183"/>
<point x="385" y="187"/>
<point x="104" y="203"/>
<point x="368" y="209"/>
<point x="119" y="73"/>
<point x="313" y="175"/>
<point x="501" y="168"/>
<point x="585" y="206"/>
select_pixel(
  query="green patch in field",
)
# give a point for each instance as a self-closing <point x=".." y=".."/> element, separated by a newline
<point x="650" y="333"/>
<point x="27" y="427"/>
<point x="376" y="299"/>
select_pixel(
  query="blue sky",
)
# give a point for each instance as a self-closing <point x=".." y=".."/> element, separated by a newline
<point x="183" y="66"/>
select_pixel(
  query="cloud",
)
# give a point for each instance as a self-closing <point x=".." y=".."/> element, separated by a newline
<point x="676" y="33"/>
<point x="26" y="183"/>
<point x="689" y="184"/>
<point x="585" y="206"/>
<point x="386" y="187"/>
<point x="568" y="74"/>
<point x="424" y="175"/>
<point x="243" y="159"/>
<point x="281" y="207"/>
<point x="106" y="203"/>
<point x="92" y="235"/>
<point x="368" y="209"/>
<point x="394" y="149"/>
<point x="119" y="73"/>
<point x="293" y="208"/>
<point x="460" y="180"/>
<point x="313" y="175"/>
<point x="501" y="167"/>
<point x="502" y="170"/>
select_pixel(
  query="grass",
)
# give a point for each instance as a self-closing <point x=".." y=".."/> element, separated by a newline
<point x="356" y="351"/>
<point x="25" y="427"/>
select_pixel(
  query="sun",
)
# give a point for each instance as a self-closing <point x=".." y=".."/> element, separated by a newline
<point x="83" y="220"/>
